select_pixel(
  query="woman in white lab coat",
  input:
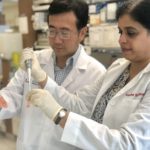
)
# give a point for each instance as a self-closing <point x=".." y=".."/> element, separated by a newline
<point x="121" y="112"/>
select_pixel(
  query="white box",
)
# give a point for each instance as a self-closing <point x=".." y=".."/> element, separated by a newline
<point x="96" y="36"/>
<point x="111" y="36"/>
<point x="104" y="36"/>
<point x="9" y="43"/>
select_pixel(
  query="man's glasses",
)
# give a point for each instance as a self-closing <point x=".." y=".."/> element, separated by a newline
<point x="62" y="33"/>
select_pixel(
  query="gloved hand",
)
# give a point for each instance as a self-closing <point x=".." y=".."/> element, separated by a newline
<point x="3" y="103"/>
<point x="44" y="100"/>
<point x="37" y="72"/>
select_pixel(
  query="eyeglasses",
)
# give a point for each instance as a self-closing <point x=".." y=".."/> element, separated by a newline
<point x="62" y="33"/>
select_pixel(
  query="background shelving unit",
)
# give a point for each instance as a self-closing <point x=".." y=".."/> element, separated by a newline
<point x="40" y="26"/>
<point x="102" y="39"/>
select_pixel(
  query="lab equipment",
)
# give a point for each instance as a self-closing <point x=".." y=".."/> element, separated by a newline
<point x="28" y="64"/>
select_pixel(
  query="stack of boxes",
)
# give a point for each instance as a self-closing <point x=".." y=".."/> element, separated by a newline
<point x="103" y="31"/>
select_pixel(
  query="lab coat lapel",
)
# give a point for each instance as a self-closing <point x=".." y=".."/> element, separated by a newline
<point x="47" y="63"/>
<point x="71" y="77"/>
<point x="49" y="68"/>
<point x="81" y="64"/>
<point x="134" y="81"/>
<point x="111" y="75"/>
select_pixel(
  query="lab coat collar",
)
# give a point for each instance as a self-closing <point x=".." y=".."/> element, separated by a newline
<point x="44" y="56"/>
<point x="46" y="61"/>
<point x="134" y="81"/>
<point x="124" y="62"/>
<point x="82" y="62"/>
<point x="113" y="72"/>
<point x="117" y="68"/>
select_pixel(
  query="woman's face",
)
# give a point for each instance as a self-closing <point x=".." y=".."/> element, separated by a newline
<point x="134" y="40"/>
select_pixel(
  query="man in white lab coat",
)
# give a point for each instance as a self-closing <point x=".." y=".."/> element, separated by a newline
<point x="68" y="64"/>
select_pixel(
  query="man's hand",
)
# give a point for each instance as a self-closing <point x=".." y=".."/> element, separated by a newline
<point x="37" y="72"/>
<point x="3" y="103"/>
<point x="44" y="100"/>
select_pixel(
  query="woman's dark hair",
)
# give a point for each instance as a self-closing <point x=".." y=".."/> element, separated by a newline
<point x="78" y="7"/>
<point x="139" y="10"/>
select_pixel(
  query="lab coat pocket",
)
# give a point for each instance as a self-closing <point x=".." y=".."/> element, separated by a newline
<point x="132" y="103"/>
<point x="124" y="105"/>
<point x="132" y="100"/>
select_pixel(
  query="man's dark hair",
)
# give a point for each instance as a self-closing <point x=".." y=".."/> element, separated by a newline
<point x="78" y="7"/>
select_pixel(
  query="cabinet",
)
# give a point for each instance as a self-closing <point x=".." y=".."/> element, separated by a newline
<point x="40" y="26"/>
<point x="102" y="24"/>
<point x="103" y="31"/>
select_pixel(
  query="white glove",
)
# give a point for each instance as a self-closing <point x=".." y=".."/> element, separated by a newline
<point x="44" y="100"/>
<point x="37" y="72"/>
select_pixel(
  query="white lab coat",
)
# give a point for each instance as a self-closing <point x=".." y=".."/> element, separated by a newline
<point x="126" y="122"/>
<point x="36" y="131"/>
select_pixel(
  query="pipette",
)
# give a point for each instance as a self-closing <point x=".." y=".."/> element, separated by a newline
<point x="28" y="64"/>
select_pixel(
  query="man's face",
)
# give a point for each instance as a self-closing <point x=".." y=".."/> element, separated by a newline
<point x="64" y="37"/>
